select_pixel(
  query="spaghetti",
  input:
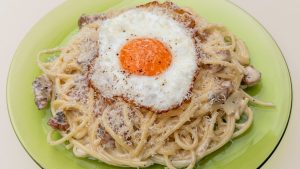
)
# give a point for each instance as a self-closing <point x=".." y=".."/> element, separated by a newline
<point x="121" y="134"/>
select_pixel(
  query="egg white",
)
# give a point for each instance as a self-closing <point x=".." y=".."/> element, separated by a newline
<point x="161" y="92"/>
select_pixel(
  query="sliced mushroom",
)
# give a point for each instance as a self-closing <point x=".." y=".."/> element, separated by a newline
<point x="221" y="94"/>
<point x="59" y="122"/>
<point x="251" y="77"/>
<point x="42" y="88"/>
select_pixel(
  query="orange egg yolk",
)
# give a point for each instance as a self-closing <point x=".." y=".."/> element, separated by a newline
<point x="145" y="56"/>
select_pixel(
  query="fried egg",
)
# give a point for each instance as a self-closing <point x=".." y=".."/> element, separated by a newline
<point x="146" y="57"/>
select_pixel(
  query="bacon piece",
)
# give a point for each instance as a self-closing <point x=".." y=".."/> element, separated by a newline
<point x="58" y="122"/>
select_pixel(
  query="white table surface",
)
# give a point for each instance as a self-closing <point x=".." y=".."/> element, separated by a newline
<point x="280" y="18"/>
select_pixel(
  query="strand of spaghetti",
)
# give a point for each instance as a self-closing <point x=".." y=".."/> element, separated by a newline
<point x="99" y="156"/>
<point x="168" y="162"/>
<point x="71" y="68"/>
<point x="228" y="135"/>
<point x="53" y="98"/>
<point x="195" y="123"/>
<point x="143" y="141"/>
<point x="81" y="133"/>
<point x="239" y="67"/>
<point x="213" y="26"/>
<point x="57" y="73"/>
<point x="162" y="122"/>
<point x="67" y="98"/>
<point x="126" y="119"/>
<point x="40" y="63"/>
<point x="232" y="40"/>
<point x="215" y="44"/>
<point x="47" y="51"/>
<point x="256" y="101"/>
<point x="60" y="75"/>
<point x="225" y="76"/>
<point x="186" y="161"/>
<point x="69" y="146"/>
<point x="171" y="148"/>
<point x="219" y="62"/>
<point x="113" y="160"/>
<point x="242" y="106"/>
<point x="57" y="86"/>
<point x="185" y="116"/>
<point x="63" y="105"/>
<point x="93" y="132"/>
<point x="169" y="114"/>
<point x="68" y="85"/>
<point x="241" y="52"/>
<point x="159" y="159"/>
<point x="244" y="126"/>
<point x="185" y="145"/>
<point x="120" y="150"/>
<point x="90" y="102"/>
<point x="79" y="152"/>
<point x="203" y="145"/>
<point x="117" y="138"/>
<point x="193" y="160"/>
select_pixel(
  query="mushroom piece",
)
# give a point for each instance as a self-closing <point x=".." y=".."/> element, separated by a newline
<point x="42" y="88"/>
<point x="251" y="77"/>
<point x="221" y="94"/>
<point x="59" y="122"/>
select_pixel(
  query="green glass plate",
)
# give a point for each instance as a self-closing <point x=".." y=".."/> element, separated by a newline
<point x="245" y="152"/>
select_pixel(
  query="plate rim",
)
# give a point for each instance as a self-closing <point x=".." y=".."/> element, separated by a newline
<point x="228" y="1"/>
